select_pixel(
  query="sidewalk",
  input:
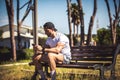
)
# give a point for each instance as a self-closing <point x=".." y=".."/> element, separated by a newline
<point x="13" y="64"/>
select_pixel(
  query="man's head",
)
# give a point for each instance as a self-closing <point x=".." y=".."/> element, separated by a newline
<point x="49" y="25"/>
<point x="49" y="28"/>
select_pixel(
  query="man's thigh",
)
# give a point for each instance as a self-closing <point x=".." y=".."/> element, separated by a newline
<point x="59" y="57"/>
<point x="44" y="57"/>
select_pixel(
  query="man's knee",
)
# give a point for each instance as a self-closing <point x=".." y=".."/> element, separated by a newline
<point x="36" y="57"/>
<point x="51" y="55"/>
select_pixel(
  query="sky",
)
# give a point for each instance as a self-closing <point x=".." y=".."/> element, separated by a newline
<point x="55" y="11"/>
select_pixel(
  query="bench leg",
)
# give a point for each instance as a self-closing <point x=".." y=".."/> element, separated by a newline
<point x="112" y="77"/>
<point x="102" y="74"/>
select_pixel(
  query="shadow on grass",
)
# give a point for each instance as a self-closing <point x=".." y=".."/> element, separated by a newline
<point x="72" y="76"/>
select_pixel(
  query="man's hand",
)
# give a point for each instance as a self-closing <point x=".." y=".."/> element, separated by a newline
<point x="37" y="47"/>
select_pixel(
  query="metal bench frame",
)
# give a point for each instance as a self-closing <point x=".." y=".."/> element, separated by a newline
<point x="106" y="54"/>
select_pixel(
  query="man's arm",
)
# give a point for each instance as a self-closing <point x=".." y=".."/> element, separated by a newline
<point x="56" y="49"/>
<point x="37" y="47"/>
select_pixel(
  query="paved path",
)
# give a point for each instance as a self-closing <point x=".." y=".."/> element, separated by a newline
<point x="13" y="64"/>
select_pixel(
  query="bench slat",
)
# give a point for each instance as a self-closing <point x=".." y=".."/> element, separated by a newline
<point x="92" y="59"/>
<point x="94" y="47"/>
<point x="92" y="55"/>
<point x="82" y="65"/>
<point x="91" y="51"/>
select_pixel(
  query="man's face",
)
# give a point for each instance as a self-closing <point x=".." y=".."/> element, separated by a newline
<point x="48" y="32"/>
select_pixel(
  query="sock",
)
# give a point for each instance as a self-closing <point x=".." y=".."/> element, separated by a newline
<point x="53" y="75"/>
<point x="41" y="74"/>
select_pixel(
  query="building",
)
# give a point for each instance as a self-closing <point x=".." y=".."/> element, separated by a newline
<point x="26" y="34"/>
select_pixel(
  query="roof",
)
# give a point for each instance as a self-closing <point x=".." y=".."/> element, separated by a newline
<point x="26" y="31"/>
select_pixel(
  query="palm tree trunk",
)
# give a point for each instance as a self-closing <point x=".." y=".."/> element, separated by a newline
<point x="10" y="11"/>
<point x="77" y="30"/>
<point x="69" y="22"/>
<point x="19" y="22"/>
<point x="115" y="22"/>
<point x="74" y="30"/>
<point x="82" y="22"/>
<point x="18" y="26"/>
<point x="110" y="19"/>
<point x="89" y="36"/>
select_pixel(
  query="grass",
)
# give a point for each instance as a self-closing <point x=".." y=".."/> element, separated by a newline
<point x="24" y="72"/>
<point x="15" y="73"/>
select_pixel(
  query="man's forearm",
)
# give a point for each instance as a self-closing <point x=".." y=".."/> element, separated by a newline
<point x="54" y="50"/>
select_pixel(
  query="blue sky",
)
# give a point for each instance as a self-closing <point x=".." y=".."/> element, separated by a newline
<point x="55" y="11"/>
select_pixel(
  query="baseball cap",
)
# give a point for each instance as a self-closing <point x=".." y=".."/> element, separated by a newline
<point x="49" y="25"/>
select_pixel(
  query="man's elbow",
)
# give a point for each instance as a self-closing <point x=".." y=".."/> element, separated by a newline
<point x="58" y="50"/>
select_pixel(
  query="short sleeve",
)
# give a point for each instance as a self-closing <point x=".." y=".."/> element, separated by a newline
<point x="63" y="39"/>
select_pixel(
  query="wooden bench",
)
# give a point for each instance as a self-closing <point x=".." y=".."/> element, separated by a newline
<point x="100" y="58"/>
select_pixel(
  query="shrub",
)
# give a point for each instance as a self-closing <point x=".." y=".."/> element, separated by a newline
<point x="4" y="54"/>
<point x="42" y="41"/>
<point x="28" y="53"/>
<point x="24" y="54"/>
<point x="4" y="50"/>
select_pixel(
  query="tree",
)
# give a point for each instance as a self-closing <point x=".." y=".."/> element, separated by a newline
<point x="103" y="36"/>
<point x="91" y="23"/>
<point x="82" y="21"/>
<point x="19" y="22"/>
<point x="113" y="23"/>
<point x="75" y="18"/>
<point x="118" y="34"/>
<point x="1" y="32"/>
<point x="10" y="12"/>
<point x="69" y="21"/>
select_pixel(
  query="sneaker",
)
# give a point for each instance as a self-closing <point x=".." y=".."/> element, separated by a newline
<point x="53" y="76"/>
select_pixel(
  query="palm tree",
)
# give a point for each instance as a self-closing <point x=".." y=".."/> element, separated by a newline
<point x="81" y="21"/>
<point x="10" y="11"/>
<point x="89" y="36"/>
<point x="113" y="23"/>
<point x="75" y="18"/>
<point x="69" y="21"/>
<point x="1" y="34"/>
<point x="19" y="22"/>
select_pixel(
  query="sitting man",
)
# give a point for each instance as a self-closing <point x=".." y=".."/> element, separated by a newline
<point x="56" y="50"/>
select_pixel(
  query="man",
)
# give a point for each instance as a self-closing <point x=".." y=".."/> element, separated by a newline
<point x="56" y="50"/>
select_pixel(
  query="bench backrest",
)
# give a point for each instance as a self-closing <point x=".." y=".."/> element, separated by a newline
<point x="93" y="54"/>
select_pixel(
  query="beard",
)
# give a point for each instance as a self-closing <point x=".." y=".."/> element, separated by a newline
<point x="49" y="35"/>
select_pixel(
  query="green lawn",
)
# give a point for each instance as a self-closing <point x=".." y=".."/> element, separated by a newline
<point x="24" y="72"/>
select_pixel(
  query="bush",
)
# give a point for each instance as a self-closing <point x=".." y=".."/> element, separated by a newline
<point x="28" y="53"/>
<point x="24" y="54"/>
<point x="4" y="54"/>
<point x="4" y="50"/>
<point x="42" y="41"/>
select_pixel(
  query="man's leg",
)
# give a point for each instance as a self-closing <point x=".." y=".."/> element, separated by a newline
<point x="54" y="58"/>
<point x="34" y="62"/>
<point x="38" y="67"/>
